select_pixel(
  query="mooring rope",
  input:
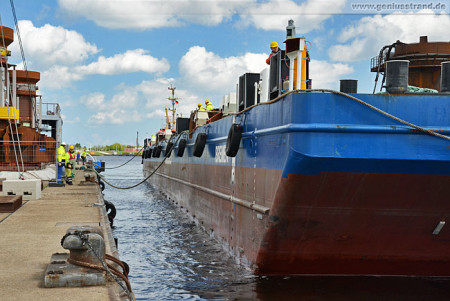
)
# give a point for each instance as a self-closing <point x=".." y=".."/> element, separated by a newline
<point x="148" y="177"/>
<point x="419" y="128"/>
<point x="127" y="161"/>
<point x="113" y="272"/>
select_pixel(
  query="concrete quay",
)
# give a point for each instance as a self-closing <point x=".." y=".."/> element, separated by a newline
<point x="30" y="235"/>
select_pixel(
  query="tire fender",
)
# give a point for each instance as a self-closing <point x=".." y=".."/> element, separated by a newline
<point x="181" y="147"/>
<point x="169" y="148"/>
<point x="112" y="211"/>
<point x="234" y="140"/>
<point x="102" y="185"/>
<point x="157" y="151"/>
<point x="199" y="145"/>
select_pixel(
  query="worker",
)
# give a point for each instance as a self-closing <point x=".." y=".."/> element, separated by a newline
<point x="274" y="47"/>
<point x="78" y="157"/>
<point x="209" y="106"/>
<point x="70" y="161"/>
<point x="83" y="156"/>
<point x="61" y="162"/>
<point x="200" y="107"/>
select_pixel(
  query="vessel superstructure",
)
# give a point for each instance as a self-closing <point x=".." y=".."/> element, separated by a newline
<point x="24" y="118"/>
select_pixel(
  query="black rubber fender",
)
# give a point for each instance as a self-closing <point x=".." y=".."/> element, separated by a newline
<point x="169" y="148"/>
<point x="112" y="212"/>
<point x="181" y="147"/>
<point x="150" y="153"/>
<point x="110" y="206"/>
<point x="102" y="185"/>
<point x="233" y="140"/>
<point x="157" y="151"/>
<point x="199" y="145"/>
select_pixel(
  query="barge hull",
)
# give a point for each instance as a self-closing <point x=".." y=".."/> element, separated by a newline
<point x="331" y="223"/>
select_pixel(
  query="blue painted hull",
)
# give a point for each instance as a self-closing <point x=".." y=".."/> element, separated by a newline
<point x="258" y="206"/>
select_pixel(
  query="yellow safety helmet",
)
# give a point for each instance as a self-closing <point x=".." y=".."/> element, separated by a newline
<point x="71" y="147"/>
<point x="207" y="101"/>
<point x="199" y="104"/>
<point x="273" y="44"/>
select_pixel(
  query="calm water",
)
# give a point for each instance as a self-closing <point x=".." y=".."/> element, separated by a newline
<point x="172" y="259"/>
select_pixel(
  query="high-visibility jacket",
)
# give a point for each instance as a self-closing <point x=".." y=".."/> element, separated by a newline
<point x="83" y="154"/>
<point x="209" y="107"/>
<point x="61" y="153"/>
<point x="201" y="108"/>
<point x="70" y="158"/>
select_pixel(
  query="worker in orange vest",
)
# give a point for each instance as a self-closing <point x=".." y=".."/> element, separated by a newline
<point x="70" y="161"/>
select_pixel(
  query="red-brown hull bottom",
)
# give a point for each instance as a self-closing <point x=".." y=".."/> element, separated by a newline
<point x="326" y="224"/>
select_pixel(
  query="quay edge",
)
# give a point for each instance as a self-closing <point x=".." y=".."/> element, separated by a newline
<point x="31" y="234"/>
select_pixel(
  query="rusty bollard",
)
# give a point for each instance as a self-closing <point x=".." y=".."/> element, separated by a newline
<point x="83" y="266"/>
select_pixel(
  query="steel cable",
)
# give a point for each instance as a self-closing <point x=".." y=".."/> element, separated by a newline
<point x="8" y="97"/>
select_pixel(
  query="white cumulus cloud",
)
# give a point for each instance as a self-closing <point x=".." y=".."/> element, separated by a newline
<point x="274" y="14"/>
<point x="49" y="45"/>
<point x="94" y="101"/>
<point x="57" y="77"/>
<point x="137" y="60"/>
<point x="208" y="71"/>
<point x="134" y="103"/>
<point x="144" y="15"/>
<point x="128" y="62"/>
<point x="326" y="75"/>
<point x="123" y="107"/>
<point x="364" y="39"/>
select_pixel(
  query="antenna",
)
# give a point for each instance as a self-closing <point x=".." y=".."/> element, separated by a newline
<point x="174" y="101"/>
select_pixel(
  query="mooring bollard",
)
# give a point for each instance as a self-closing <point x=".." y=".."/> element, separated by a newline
<point x="84" y="265"/>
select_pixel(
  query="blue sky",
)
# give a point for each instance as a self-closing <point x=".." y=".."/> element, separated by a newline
<point x="109" y="63"/>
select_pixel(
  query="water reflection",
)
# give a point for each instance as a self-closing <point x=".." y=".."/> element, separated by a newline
<point x="172" y="259"/>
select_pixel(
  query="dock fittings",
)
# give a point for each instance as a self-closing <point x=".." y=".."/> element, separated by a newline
<point x="89" y="178"/>
<point x="85" y="265"/>
<point x="81" y="266"/>
<point x="85" y="243"/>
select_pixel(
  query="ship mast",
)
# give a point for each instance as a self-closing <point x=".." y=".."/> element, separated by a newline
<point x="174" y="101"/>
